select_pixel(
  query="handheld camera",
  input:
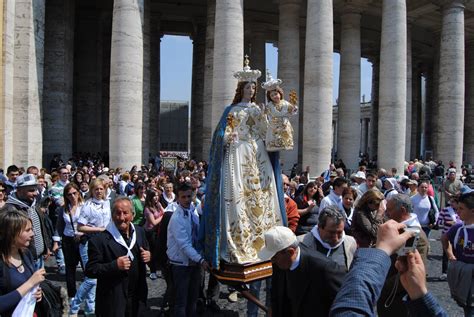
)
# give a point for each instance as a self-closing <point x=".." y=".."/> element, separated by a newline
<point x="410" y="244"/>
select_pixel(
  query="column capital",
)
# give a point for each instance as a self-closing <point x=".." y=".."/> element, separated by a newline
<point x="450" y="4"/>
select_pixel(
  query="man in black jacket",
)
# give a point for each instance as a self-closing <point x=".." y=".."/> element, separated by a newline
<point x="23" y="200"/>
<point x="117" y="258"/>
<point x="304" y="282"/>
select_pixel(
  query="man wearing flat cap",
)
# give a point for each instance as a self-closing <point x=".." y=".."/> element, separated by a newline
<point x="23" y="200"/>
<point x="304" y="282"/>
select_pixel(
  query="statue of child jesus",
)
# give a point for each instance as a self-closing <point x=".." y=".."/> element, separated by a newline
<point x="279" y="134"/>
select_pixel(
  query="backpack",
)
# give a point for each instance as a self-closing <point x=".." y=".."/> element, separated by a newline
<point x="54" y="302"/>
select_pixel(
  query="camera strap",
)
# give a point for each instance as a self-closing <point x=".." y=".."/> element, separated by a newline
<point x="393" y="292"/>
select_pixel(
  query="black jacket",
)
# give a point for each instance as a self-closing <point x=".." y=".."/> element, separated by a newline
<point x="309" y="290"/>
<point x="112" y="283"/>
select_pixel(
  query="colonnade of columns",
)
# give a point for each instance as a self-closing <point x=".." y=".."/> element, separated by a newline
<point x="52" y="87"/>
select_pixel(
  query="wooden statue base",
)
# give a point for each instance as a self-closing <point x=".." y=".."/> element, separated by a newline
<point x="238" y="275"/>
<point x="230" y="273"/>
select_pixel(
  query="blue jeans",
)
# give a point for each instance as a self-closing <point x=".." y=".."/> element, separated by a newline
<point x="187" y="280"/>
<point x="86" y="290"/>
<point x="39" y="263"/>
<point x="427" y="231"/>
<point x="60" y="257"/>
<point x="252" y="309"/>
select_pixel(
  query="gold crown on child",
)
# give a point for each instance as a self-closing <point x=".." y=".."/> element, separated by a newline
<point x="247" y="74"/>
<point x="271" y="84"/>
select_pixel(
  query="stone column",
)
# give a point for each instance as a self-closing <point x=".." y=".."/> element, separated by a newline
<point x="301" y="103"/>
<point x="317" y="114"/>
<point x="228" y="54"/>
<point x="155" y="40"/>
<point x="197" y="97"/>
<point x="7" y="26"/>
<point x="374" y="115"/>
<point x="408" y="153"/>
<point x="415" y="113"/>
<point x="207" y="124"/>
<point x="146" y="81"/>
<point x="28" y="83"/>
<point x="433" y="112"/>
<point x="469" y="111"/>
<point x="126" y="84"/>
<point x="257" y="56"/>
<point x="393" y="85"/>
<point x="451" y="84"/>
<point x="428" y="111"/>
<point x="289" y="67"/>
<point x="364" y="135"/>
<point x="58" y="79"/>
<point x="349" y="89"/>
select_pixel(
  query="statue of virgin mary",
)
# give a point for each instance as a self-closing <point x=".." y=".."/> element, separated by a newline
<point x="244" y="193"/>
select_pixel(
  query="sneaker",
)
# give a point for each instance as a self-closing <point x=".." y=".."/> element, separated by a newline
<point x="443" y="277"/>
<point x="153" y="276"/>
<point x="233" y="297"/>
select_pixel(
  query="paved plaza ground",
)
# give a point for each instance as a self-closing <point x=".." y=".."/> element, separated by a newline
<point x="438" y="288"/>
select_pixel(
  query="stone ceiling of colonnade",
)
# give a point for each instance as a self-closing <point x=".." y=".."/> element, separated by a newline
<point x="181" y="16"/>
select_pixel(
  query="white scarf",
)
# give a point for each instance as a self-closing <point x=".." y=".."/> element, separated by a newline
<point x="119" y="239"/>
<point x="326" y="245"/>
<point x="169" y="200"/>
<point x="464" y="227"/>
<point x="412" y="221"/>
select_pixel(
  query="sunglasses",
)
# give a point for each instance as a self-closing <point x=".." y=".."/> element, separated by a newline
<point x="375" y="202"/>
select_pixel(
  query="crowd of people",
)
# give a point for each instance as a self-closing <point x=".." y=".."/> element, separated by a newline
<point x="123" y="227"/>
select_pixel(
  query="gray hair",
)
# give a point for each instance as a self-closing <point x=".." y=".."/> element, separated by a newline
<point x="120" y="199"/>
<point x="402" y="200"/>
<point x="330" y="212"/>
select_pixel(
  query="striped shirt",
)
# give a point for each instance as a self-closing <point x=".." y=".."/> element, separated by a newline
<point x="447" y="215"/>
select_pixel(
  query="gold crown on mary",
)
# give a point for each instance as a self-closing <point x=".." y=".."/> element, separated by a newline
<point x="247" y="74"/>
<point x="271" y="84"/>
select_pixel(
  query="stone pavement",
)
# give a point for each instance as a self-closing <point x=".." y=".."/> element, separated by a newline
<point x="439" y="288"/>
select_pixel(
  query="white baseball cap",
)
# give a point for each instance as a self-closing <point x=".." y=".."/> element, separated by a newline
<point x="276" y="239"/>
<point x="26" y="180"/>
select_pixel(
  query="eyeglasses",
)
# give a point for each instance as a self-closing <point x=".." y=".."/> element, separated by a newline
<point x="66" y="173"/>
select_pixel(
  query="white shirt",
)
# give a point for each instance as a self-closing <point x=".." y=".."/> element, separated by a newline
<point x="421" y="207"/>
<point x="68" y="228"/>
<point x="332" y="199"/>
<point x="95" y="213"/>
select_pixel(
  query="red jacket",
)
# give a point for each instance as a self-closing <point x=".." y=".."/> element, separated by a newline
<point x="291" y="213"/>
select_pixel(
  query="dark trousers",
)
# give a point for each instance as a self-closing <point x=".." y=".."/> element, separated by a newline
<point x="152" y="238"/>
<point x="444" y="263"/>
<point x="168" y="298"/>
<point x="186" y="284"/>
<point x="71" y="258"/>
